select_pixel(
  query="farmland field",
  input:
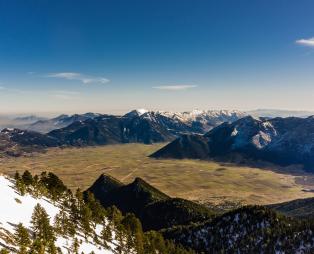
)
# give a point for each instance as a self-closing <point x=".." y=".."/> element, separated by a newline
<point x="203" y="181"/>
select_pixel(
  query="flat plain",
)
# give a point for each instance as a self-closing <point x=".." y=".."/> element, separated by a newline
<point x="203" y="181"/>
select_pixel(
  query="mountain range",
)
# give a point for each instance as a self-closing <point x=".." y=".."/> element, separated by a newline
<point x="283" y="141"/>
<point x="137" y="126"/>
<point x="201" y="120"/>
<point x="240" y="138"/>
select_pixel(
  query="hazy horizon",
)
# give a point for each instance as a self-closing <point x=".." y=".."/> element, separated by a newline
<point x="275" y="112"/>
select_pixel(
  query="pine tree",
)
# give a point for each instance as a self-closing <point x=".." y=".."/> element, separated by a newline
<point x="62" y="223"/>
<point x="154" y="242"/>
<point x="86" y="217"/>
<point x="22" y="238"/>
<point x="19" y="184"/>
<point x="41" y="227"/>
<point x="27" y="178"/>
<point x="114" y="215"/>
<point x="52" y="248"/>
<point x="98" y="211"/>
<point x="106" y="234"/>
<point x="120" y="237"/>
<point x="79" y="199"/>
<point x="17" y="176"/>
<point x="37" y="247"/>
<point x="134" y="228"/>
<point x="75" y="246"/>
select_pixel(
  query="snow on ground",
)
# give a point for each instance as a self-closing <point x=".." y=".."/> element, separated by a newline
<point x="15" y="209"/>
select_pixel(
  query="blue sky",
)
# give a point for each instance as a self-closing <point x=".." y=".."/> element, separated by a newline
<point x="112" y="56"/>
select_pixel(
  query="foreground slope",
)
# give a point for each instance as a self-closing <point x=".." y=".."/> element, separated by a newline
<point x="17" y="209"/>
<point x="283" y="141"/>
<point x="251" y="229"/>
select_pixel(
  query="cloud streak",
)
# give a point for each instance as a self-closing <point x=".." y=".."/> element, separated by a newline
<point x="174" y="87"/>
<point x="12" y="90"/>
<point x="64" y="95"/>
<point x="85" y="79"/>
<point x="306" y="42"/>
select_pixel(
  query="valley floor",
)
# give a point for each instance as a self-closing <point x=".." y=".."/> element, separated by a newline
<point x="202" y="181"/>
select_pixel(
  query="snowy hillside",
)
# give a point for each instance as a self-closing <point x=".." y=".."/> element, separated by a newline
<point x="18" y="209"/>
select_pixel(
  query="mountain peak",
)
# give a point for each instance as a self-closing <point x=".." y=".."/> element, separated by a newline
<point x="104" y="184"/>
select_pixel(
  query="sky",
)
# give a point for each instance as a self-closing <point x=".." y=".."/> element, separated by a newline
<point x="111" y="56"/>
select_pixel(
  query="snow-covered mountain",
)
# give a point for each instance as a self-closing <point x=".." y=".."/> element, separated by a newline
<point x="17" y="209"/>
<point x="200" y="121"/>
<point x="283" y="141"/>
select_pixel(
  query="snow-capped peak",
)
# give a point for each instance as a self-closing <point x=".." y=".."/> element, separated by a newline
<point x="141" y="111"/>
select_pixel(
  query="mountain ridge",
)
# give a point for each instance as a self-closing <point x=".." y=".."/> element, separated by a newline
<point x="282" y="141"/>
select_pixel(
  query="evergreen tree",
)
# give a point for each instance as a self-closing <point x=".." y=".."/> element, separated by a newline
<point x="86" y="217"/>
<point x="98" y="211"/>
<point x="22" y="238"/>
<point x="19" y="184"/>
<point x="37" y="247"/>
<point x="134" y="228"/>
<point x="114" y="215"/>
<point x="62" y="224"/>
<point x="75" y="246"/>
<point x="154" y="242"/>
<point x="4" y="251"/>
<point x="106" y="234"/>
<point x="53" y="184"/>
<point x="120" y="237"/>
<point x="43" y="231"/>
<point x="27" y="178"/>
<point x="17" y="176"/>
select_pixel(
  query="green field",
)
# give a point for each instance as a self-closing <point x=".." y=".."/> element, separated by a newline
<point x="206" y="182"/>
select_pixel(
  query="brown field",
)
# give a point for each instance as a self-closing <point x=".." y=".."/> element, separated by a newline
<point x="203" y="181"/>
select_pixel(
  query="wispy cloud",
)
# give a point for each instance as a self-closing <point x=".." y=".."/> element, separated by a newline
<point x="86" y="79"/>
<point x="12" y="90"/>
<point x="306" y="42"/>
<point x="174" y="87"/>
<point x="64" y="95"/>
